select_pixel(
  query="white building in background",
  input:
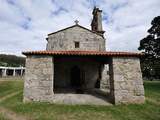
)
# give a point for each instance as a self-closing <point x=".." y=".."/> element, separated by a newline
<point x="11" y="71"/>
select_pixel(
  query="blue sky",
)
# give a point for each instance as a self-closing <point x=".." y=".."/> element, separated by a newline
<point x="24" y="24"/>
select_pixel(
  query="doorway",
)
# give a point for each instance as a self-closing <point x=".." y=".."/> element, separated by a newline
<point x="77" y="79"/>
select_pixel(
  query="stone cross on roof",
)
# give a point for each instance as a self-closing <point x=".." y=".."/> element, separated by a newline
<point x="76" y="21"/>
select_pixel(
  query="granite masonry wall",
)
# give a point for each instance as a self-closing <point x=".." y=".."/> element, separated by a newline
<point x="104" y="83"/>
<point x="126" y="80"/>
<point x="38" y="85"/>
<point x="65" y="40"/>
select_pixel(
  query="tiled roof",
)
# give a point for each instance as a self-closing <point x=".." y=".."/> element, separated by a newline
<point x="83" y="53"/>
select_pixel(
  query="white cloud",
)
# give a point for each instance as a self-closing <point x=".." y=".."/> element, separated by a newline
<point x="129" y="22"/>
<point x="24" y="24"/>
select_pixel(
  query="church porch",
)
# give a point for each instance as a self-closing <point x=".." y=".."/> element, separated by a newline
<point x="51" y="76"/>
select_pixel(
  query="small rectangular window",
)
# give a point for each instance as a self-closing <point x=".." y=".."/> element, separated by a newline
<point x="76" y="44"/>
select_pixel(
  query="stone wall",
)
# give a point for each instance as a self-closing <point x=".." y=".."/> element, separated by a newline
<point x="65" y="40"/>
<point x="126" y="80"/>
<point x="38" y="85"/>
<point x="104" y="83"/>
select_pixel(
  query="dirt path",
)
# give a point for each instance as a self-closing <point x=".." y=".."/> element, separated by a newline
<point x="8" y="96"/>
<point x="10" y="114"/>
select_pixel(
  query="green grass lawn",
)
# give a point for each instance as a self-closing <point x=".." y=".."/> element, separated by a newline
<point x="46" y="111"/>
<point x="2" y="117"/>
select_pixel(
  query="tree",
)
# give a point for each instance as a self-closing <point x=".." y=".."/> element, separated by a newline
<point x="150" y="46"/>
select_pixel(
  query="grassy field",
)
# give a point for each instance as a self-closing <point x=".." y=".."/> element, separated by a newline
<point x="2" y="117"/>
<point x="11" y="93"/>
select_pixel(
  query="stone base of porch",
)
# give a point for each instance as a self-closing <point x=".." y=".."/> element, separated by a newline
<point x="80" y="99"/>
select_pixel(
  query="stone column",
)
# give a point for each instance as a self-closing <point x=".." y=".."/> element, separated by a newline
<point x="14" y="72"/>
<point x="104" y="84"/>
<point x="21" y="74"/>
<point x="38" y="85"/>
<point x="126" y="84"/>
<point x="1" y="72"/>
<point x="4" y="72"/>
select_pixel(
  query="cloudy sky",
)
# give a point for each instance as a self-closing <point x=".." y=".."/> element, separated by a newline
<point x="24" y="24"/>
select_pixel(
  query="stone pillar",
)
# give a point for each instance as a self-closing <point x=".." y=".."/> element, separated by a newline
<point x="126" y="84"/>
<point x="14" y="72"/>
<point x="1" y="72"/>
<point x="38" y="85"/>
<point x="104" y="84"/>
<point x="21" y="74"/>
<point x="4" y="72"/>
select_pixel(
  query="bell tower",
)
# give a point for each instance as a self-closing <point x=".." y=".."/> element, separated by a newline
<point x="96" y="24"/>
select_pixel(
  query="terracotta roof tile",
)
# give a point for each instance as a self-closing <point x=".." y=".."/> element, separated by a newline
<point x="83" y="53"/>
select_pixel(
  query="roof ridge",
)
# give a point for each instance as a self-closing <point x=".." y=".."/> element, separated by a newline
<point x="75" y="26"/>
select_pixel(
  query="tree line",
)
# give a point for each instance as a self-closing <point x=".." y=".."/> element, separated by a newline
<point x="11" y="60"/>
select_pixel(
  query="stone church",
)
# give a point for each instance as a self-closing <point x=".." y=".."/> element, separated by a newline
<point x="76" y="63"/>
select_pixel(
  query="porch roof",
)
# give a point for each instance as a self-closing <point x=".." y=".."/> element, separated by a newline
<point x="83" y="53"/>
